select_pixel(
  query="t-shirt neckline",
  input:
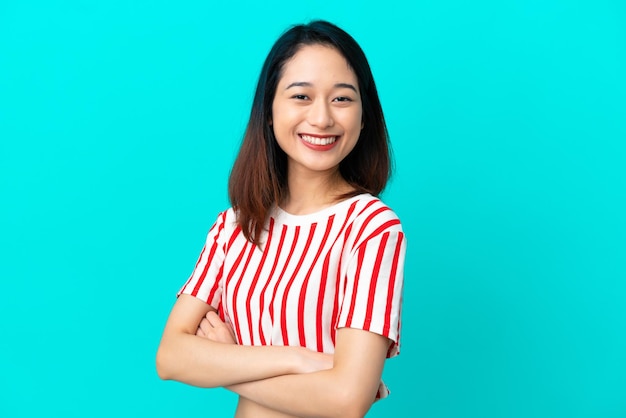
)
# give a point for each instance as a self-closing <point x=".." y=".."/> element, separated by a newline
<point x="283" y="217"/>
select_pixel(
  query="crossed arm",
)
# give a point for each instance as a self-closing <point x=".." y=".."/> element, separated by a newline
<point x="292" y="380"/>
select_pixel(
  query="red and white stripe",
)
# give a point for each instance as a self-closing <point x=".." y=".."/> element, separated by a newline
<point x="340" y="267"/>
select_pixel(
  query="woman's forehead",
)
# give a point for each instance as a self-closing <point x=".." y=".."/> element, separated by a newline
<point x="317" y="64"/>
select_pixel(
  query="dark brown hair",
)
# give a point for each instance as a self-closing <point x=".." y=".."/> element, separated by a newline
<point x="258" y="180"/>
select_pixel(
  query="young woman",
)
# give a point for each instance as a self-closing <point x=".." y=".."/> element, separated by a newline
<point x="295" y="300"/>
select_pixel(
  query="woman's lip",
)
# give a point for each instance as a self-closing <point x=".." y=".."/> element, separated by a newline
<point x="318" y="135"/>
<point x="310" y="140"/>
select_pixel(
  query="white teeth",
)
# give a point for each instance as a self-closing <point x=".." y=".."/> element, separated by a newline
<point x="318" y="141"/>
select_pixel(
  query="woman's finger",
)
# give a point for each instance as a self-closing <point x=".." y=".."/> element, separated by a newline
<point x="214" y="319"/>
<point x="205" y="326"/>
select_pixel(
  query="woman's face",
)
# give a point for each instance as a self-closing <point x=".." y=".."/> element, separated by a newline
<point x="317" y="110"/>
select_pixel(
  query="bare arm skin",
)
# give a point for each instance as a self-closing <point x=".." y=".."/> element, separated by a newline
<point x="347" y="390"/>
<point x="288" y="380"/>
<point x="200" y="361"/>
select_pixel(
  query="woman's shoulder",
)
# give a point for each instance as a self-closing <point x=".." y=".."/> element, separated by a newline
<point x="224" y="223"/>
<point x="371" y="208"/>
<point x="226" y="215"/>
<point x="373" y="218"/>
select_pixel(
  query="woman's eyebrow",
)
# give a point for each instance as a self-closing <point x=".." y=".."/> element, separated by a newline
<point x="307" y="84"/>
<point x="299" y="84"/>
<point x="346" y="86"/>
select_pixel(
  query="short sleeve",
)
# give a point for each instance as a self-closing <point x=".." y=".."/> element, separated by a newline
<point x="205" y="281"/>
<point x="372" y="298"/>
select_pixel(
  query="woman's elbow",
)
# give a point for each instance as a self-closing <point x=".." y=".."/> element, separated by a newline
<point x="353" y="403"/>
<point x="163" y="364"/>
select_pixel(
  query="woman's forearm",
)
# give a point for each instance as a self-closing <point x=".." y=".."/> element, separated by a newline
<point x="201" y="361"/>
<point x="318" y="394"/>
<point x="346" y="390"/>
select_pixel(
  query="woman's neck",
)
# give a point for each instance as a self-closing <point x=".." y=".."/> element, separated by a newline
<point x="314" y="192"/>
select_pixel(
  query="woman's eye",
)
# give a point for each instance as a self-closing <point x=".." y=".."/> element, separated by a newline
<point x="343" y="99"/>
<point x="300" y="96"/>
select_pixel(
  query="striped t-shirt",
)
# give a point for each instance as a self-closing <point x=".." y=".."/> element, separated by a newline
<point x="340" y="267"/>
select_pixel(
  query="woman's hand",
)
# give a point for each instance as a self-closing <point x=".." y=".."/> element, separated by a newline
<point x="213" y="328"/>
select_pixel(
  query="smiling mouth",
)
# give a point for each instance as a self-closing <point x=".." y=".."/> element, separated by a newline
<point x="314" y="140"/>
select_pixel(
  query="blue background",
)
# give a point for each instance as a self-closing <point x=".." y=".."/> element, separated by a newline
<point x="119" y="122"/>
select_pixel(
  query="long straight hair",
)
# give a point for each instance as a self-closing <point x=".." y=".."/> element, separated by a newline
<point x="258" y="180"/>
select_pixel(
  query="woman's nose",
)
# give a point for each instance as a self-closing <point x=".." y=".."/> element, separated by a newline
<point x="320" y="115"/>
